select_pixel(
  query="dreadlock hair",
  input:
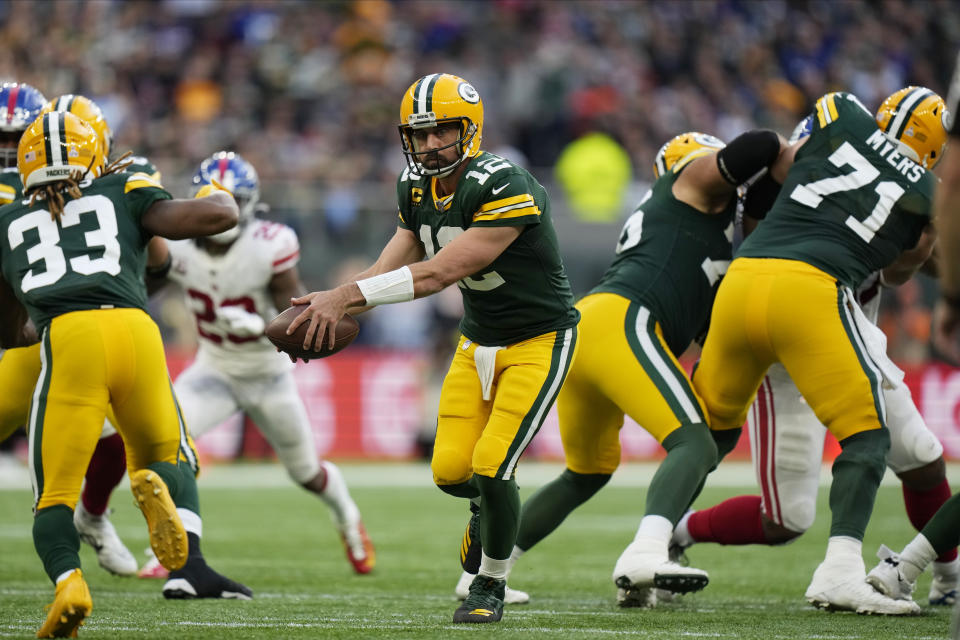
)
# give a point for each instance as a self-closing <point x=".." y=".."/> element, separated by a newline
<point x="52" y="192"/>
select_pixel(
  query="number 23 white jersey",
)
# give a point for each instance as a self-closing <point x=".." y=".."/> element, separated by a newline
<point x="240" y="277"/>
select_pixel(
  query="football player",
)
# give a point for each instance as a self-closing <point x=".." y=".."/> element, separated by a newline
<point x="652" y="302"/>
<point x="73" y="256"/>
<point x="20" y="104"/>
<point x="787" y="445"/>
<point x="483" y="223"/>
<point x="857" y="198"/>
<point x="234" y="282"/>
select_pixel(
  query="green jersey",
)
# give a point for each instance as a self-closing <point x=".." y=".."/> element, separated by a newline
<point x="670" y="258"/>
<point x="92" y="257"/>
<point x="11" y="187"/>
<point x="851" y="203"/>
<point x="524" y="292"/>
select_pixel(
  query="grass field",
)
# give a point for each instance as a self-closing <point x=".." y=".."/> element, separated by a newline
<point x="279" y="541"/>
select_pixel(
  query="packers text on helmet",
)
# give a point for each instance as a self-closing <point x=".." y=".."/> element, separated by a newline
<point x="915" y="119"/>
<point x="56" y="145"/>
<point x="435" y="100"/>
<point x="677" y="152"/>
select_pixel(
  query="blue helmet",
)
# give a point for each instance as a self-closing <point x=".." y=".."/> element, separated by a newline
<point x="20" y="104"/>
<point x="237" y="175"/>
<point x="802" y="130"/>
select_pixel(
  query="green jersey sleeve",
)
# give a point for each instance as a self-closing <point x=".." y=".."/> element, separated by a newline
<point x="506" y="200"/>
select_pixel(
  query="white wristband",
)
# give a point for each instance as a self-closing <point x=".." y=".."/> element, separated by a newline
<point x="387" y="288"/>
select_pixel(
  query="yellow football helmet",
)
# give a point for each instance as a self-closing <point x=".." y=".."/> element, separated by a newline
<point x="88" y="111"/>
<point x="679" y="151"/>
<point x="915" y="119"/>
<point x="54" y="146"/>
<point x="437" y="99"/>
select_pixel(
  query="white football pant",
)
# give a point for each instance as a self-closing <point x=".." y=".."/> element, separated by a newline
<point x="208" y="397"/>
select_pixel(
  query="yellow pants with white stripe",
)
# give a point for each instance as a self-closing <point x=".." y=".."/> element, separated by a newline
<point x="89" y="360"/>
<point x="19" y="370"/>
<point x="770" y="310"/>
<point x="487" y="437"/>
<point x="625" y="367"/>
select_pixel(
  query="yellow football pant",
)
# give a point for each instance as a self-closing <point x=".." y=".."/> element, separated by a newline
<point x="625" y="368"/>
<point x="487" y="437"/>
<point x="786" y="311"/>
<point x="88" y="360"/>
<point x="19" y="370"/>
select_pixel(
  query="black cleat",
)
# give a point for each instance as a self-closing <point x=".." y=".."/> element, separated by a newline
<point x="470" y="549"/>
<point x="197" y="580"/>
<point x="484" y="603"/>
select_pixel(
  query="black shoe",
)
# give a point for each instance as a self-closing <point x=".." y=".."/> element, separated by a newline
<point x="485" y="602"/>
<point x="197" y="580"/>
<point x="470" y="549"/>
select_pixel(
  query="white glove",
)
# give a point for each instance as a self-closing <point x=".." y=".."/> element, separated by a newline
<point x="241" y="322"/>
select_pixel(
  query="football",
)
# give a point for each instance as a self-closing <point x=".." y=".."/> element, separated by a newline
<point x="276" y="332"/>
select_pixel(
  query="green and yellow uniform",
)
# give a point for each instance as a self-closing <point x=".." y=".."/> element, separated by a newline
<point x="651" y="303"/>
<point x="521" y="302"/>
<point x="849" y="206"/>
<point x="80" y="278"/>
<point x="20" y="368"/>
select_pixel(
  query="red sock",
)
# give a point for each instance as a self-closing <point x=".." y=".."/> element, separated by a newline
<point x="921" y="505"/>
<point x="733" y="521"/>
<point x="106" y="468"/>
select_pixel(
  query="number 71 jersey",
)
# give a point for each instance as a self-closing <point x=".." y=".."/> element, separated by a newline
<point x="524" y="292"/>
<point x="851" y="202"/>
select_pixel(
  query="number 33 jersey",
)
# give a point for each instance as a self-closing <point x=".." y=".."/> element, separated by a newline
<point x="239" y="278"/>
<point x="851" y="202"/>
<point x="524" y="292"/>
<point x="92" y="257"/>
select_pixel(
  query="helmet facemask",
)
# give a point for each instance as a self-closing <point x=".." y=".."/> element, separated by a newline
<point x="415" y="159"/>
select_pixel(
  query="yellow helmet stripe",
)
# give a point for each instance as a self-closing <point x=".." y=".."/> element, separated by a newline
<point x="905" y="109"/>
<point x="423" y="93"/>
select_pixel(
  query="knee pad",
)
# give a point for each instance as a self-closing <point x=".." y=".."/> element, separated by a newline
<point x="450" y="466"/>
<point x="797" y="513"/>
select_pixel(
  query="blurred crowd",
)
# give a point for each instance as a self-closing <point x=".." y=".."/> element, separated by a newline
<point x="309" y="91"/>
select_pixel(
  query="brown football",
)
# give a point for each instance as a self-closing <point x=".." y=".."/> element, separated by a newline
<point x="276" y="332"/>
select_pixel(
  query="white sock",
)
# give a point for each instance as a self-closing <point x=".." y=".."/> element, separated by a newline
<point x="494" y="568"/>
<point x="63" y="576"/>
<point x="191" y="521"/>
<point x="681" y="534"/>
<point x="514" y="556"/>
<point x="337" y="496"/>
<point x="656" y="527"/>
<point x="916" y="556"/>
<point x="844" y="548"/>
<point x="947" y="569"/>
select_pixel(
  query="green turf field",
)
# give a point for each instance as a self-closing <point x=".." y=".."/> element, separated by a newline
<point x="279" y="541"/>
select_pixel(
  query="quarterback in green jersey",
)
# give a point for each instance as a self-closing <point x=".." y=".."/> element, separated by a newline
<point x="73" y="256"/>
<point x="855" y="200"/>
<point x="483" y="223"/>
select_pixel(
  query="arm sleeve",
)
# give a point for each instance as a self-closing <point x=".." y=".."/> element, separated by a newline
<point x="747" y="155"/>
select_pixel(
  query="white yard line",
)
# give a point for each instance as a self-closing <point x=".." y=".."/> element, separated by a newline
<point x="14" y="475"/>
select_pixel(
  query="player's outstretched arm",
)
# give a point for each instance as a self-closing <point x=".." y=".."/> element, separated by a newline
<point x="180" y="219"/>
<point x="465" y="255"/>
<point x="284" y="286"/>
<point x="709" y="182"/>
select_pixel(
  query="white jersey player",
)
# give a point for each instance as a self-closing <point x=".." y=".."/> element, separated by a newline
<point x="234" y="283"/>
<point x="787" y="442"/>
